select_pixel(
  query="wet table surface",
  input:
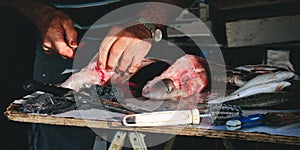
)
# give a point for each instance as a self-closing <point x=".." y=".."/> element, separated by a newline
<point x="288" y="134"/>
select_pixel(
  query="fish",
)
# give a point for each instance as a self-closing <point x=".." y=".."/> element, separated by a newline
<point x="238" y="78"/>
<point x="267" y="78"/>
<point x="272" y="100"/>
<point x="261" y="88"/>
<point x="148" y="72"/>
<point x="87" y="76"/>
<point x="185" y="77"/>
<point x="261" y="68"/>
<point x="193" y="74"/>
<point x="92" y="74"/>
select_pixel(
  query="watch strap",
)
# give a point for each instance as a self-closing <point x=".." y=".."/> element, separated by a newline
<point x="147" y="24"/>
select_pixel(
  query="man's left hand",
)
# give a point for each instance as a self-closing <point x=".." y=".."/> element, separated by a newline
<point x="123" y="50"/>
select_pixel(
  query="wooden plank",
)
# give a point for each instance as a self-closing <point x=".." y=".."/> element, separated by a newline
<point x="189" y="130"/>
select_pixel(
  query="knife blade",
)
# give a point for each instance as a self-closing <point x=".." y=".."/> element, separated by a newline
<point x="34" y="85"/>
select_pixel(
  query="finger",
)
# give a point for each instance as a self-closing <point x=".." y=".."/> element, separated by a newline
<point x="64" y="50"/>
<point x="71" y="33"/>
<point x="46" y="46"/>
<point x="60" y="45"/>
<point x="106" y="45"/>
<point x="141" y="48"/>
<point x="126" y="59"/>
<point x="117" y="50"/>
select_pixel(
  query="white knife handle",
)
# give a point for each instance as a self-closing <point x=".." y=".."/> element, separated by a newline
<point x="162" y="118"/>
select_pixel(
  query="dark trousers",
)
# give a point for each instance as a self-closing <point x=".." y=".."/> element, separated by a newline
<point x="295" y="59"/>
<point x="48" y="68"/>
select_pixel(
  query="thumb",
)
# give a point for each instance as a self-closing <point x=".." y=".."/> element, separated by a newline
<point x="71" y="34"/>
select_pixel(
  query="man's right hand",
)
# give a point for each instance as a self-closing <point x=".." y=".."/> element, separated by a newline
<point x="59" y="36"/>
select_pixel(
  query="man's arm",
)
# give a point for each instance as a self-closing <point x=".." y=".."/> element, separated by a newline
<point x="124" y="49"/>
<point x="37" y="11"/>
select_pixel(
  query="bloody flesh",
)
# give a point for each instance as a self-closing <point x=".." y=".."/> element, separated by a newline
<point x="188" y="77"/>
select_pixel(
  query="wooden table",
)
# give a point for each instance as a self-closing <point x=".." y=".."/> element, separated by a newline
<point x="186" y="130"/>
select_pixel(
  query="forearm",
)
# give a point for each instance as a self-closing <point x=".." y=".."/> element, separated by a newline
<point x="38" y="11"/>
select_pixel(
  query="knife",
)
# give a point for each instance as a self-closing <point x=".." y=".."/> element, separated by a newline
<point x="162" y="118"/>
<point x="216" y="113"/>
<point x="34" y="85"/>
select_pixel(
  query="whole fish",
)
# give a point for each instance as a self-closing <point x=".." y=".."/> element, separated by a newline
<point x="267" y="78"/>
<point x="238" y="77"/>
<point x="273" y="100"/>
<point x="185" y="77"/>
<point x="261" y="88"/>
<point x="261" y="68"/>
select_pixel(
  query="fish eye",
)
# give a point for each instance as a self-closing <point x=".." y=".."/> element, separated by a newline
<point x="169" y="85"/>
<point x="169" y="89"/>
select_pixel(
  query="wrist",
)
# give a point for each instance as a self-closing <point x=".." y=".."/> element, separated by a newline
<point x="49" y="16"/>
<point x="45" y="17"/>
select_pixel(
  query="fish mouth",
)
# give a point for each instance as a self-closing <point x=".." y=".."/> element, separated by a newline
<point x="148" y="93"/>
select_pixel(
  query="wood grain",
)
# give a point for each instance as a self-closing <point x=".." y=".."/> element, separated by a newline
<point x="189" y="130"/>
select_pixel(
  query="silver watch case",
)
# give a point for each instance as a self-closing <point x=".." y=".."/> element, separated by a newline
<point x="156" y="35"/>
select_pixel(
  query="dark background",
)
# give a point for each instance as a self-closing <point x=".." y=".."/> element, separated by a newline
<point x="17" y="55"/>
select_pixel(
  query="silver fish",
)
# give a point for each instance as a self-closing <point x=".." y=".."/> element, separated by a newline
<point x="267" y="78"/>
<point x="261" y="88"/>
<point x="261" y="68"/>
<point x="238" y="77"/>
<point x="166" y="89"/>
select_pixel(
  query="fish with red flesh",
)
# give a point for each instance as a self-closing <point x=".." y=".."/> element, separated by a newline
<point x="185" y="77"/>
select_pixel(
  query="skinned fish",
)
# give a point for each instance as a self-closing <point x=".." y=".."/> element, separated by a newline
<point x="261" y="88"/>
<point x="185" y="77"/>
<point x="92" y="74"/>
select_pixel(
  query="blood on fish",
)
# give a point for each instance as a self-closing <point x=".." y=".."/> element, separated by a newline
<point x="188" y="74"/>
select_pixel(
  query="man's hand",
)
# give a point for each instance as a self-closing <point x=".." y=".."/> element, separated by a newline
<point x="60" y="35"/>
<point x="58" y="32"/>
<point x="124" y="49"/>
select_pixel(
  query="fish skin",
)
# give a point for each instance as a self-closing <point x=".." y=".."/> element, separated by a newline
<point x="278" y="100"/>
<point x="238" y="77"/>
<point x="261" y="88"/>
<point x="145" y="74"/>
<point x="188" y="76"/>
<point x="267" y="78"/>
<point x="261" y="68"/>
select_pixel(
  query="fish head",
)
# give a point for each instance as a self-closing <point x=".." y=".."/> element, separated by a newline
<point x="162" y="89"/>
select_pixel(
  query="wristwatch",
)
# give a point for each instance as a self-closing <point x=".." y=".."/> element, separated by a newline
<point x="156" y="33"/>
